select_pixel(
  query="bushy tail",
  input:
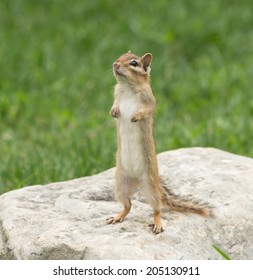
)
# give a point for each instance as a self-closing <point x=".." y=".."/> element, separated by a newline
<point x="184" y="204"/>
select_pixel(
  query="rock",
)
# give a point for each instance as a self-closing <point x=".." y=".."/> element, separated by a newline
<point x="67" y="220"/>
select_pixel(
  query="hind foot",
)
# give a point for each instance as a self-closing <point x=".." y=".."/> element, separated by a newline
<point x="157" y="225"/>
<point x="156" y="229"/>
<point x="120" y="217"/>
<point x="113" y="220"/>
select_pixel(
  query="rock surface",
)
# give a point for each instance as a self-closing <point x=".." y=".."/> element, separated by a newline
<point x="67" y="220"/>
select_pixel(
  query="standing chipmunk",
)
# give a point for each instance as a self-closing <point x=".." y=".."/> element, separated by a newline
<point x="136" y="163"/>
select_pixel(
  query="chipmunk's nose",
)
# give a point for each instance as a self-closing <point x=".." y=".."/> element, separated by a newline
<point x="116" y="65"/>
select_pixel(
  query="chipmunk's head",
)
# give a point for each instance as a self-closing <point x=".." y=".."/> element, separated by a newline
<point x="132" y="69"/>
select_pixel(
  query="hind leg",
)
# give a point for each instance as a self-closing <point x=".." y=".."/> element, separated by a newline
<point x="153" y="193"/>
<point x="123" y="193"/>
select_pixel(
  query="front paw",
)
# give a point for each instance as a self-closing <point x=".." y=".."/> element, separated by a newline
<point x="114" y="111"/>
<point x="136" y="117"/>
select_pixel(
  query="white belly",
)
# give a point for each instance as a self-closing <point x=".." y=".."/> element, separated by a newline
<point x="130" y="138"/>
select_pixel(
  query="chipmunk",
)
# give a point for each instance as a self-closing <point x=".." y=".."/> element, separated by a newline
<point x="136" y="163"/>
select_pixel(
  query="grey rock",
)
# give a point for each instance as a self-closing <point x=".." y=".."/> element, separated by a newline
<point x="66" y="220"/>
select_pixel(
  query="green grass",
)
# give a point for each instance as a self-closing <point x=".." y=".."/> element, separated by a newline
<point x="224" y="255"/>
<point x="56" y="82"/>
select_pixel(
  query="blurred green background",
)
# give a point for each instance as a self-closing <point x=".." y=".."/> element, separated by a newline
<point x="56" y="82"/>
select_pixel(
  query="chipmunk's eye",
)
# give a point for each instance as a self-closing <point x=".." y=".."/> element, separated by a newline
<point x="134" y="63"/>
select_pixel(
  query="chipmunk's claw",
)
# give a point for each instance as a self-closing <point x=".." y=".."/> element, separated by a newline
<point x="113" y="220"/>
<point x="114" y="112"/>
<point x="156" y="229"/>
<point x="136" y="117"/>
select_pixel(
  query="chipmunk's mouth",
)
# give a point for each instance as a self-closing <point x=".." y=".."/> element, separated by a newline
<point x="117" y="72"/>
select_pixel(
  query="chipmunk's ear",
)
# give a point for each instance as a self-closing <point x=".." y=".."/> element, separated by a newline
<point x="129" y="52"/>
<point x="146" y="61"/>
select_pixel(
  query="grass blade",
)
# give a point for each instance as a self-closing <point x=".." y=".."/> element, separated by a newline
<point x="224" y="255"/>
